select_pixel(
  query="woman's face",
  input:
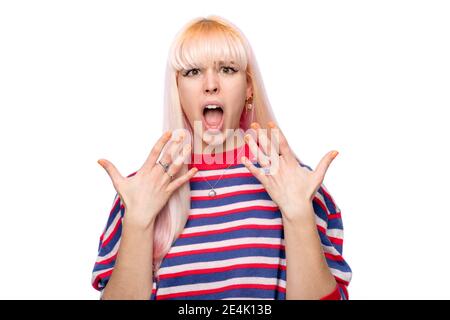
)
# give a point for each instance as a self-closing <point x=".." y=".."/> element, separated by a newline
<point x="213" y="98"/>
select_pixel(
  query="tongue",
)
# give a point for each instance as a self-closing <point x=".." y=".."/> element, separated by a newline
<point x="213" y="117"/>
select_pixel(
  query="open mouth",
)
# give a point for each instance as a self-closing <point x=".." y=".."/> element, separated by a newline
<point x="213" y="117"/>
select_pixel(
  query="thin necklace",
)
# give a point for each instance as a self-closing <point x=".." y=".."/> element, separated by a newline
<point x="213" y="192"/>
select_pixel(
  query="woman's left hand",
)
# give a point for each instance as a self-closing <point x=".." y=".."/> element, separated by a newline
<point x="290" y="186"/>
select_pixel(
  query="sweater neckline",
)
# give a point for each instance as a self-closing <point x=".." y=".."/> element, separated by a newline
<point x="220" y="160"/>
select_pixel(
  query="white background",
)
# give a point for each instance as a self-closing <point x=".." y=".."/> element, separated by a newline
<point x="83" y="80"/>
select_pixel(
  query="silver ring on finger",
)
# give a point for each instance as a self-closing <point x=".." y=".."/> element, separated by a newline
<point x="164" y="165"/>
<point x="265" y="170"/>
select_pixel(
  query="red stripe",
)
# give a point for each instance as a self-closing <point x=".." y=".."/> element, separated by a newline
<point x="321" y="204"/>
<point x="230" y="194"/>
<point x="334" y="216"/>
<point x="106" y="261"/>
<point x="225" y="176"/>
<point x="221" y="213"/>
<point x="222" y="269"/>
<point x="341" y="281"/>
<point x="334" y="295"/>
<point x="228" y="248"/>
<point x="333" y="257"/>
<point x="328" y="196"/>
<point x="332" y="239"/>
<point x="131" y="174"/>
<point x="100" y="277"/>
<point x="104" y="244"/>
<point x="344" y="288"/>
<point x="231" y="287"/>
<point x="110" y="213"/>
<point x="249" y="226"/>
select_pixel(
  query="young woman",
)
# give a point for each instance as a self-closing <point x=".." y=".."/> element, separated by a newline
<point x="222" y="208"/>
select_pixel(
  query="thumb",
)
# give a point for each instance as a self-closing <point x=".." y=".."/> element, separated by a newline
<point x="112" y="171"/>
<point x="323" y="165"/>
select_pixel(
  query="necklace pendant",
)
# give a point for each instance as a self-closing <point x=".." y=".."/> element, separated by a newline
<point x="212" y="193"/>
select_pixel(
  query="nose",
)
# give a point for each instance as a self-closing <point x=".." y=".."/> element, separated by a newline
<point x="211" y="82"/>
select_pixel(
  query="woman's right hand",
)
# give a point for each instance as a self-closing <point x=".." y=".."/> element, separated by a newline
<point x="147" y="192"/>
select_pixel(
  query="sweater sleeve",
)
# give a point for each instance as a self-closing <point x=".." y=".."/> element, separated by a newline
<point x="109" y="246"/>
<point x="331" y="232"/>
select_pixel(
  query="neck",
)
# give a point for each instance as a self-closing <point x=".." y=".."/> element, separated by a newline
<point x="231" y="143"/>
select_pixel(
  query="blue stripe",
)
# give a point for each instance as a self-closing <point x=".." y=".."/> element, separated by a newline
<point x="326" y="241"/>
<point x="223" y="255"/>
<point x="223" y="182"/>
<point x="262" y="214"/>
<point x="99" y="266"/>
<point x="229" y="235"/>
<point x="341" y="292"/>
<point x="113" y="213"/>
<point x="229" y="200"/>
<point x="328" y="202"/>
<point x="335" y="224"/>
<point x="108" y="248"/>
<point x="221" y="276"/>
<point x="319" y="211"/>
<point x="339" y="265"/>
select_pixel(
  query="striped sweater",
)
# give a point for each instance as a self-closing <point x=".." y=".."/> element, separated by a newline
<point x="232" y="246"/>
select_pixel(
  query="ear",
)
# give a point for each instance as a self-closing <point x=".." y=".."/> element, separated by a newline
<point x="249" y="91"/>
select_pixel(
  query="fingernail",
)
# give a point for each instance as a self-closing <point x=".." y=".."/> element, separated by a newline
<point x="247" y="137"/>
<point x="254" y="125"/>
<point x="334" y="154"/>
<point x="100" y="162"/>
<point x="271" y="124"/>
<point x="243" y="159"/>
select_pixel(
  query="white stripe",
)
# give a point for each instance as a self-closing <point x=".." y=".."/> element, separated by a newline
<point x="112" y="226"/>
<point x="226" y="243"/>
<point x="335" y="233"/>
<point x="243" y="222"/>
<point x="220" y="264"/>
<point x="322" y="200"/>
<point x="321" y="222"/>
<point x="219" y="284"/>
<point x="331" y="250"/>
<point x="232" y="206"/>
<point x="346" y="276"/>
<point x="97" y="273"/>
<point x="110" y="254"/>
<point x="229" y="189"/>
<point x="326" y="190"/>
<point x="218" y="172"/>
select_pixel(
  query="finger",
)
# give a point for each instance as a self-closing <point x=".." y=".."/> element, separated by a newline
<point x="264" y="141"/>
<point x="324" y="164"/>
<point x="177" y="163"/>
<point x="172" y="151"/>
<point x="262" y="159"/>
<point x="282" y="143"/>
<point x="178" y="182"/>
<point x="156" y="151"/>
<point x="254" y="170"/>
<point x="112" y="171"/>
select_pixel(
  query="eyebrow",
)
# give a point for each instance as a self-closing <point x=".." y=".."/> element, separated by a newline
<point x="225" y="62"/>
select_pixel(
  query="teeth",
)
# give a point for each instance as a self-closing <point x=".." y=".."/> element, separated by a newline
<point x="212" y="106"/>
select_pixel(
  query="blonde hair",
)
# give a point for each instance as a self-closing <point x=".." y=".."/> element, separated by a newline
<point x="199" y="42"/>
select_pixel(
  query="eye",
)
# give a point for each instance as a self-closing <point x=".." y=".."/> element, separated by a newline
<point x="194" y="72"/>
<point x="227" y="70"/>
